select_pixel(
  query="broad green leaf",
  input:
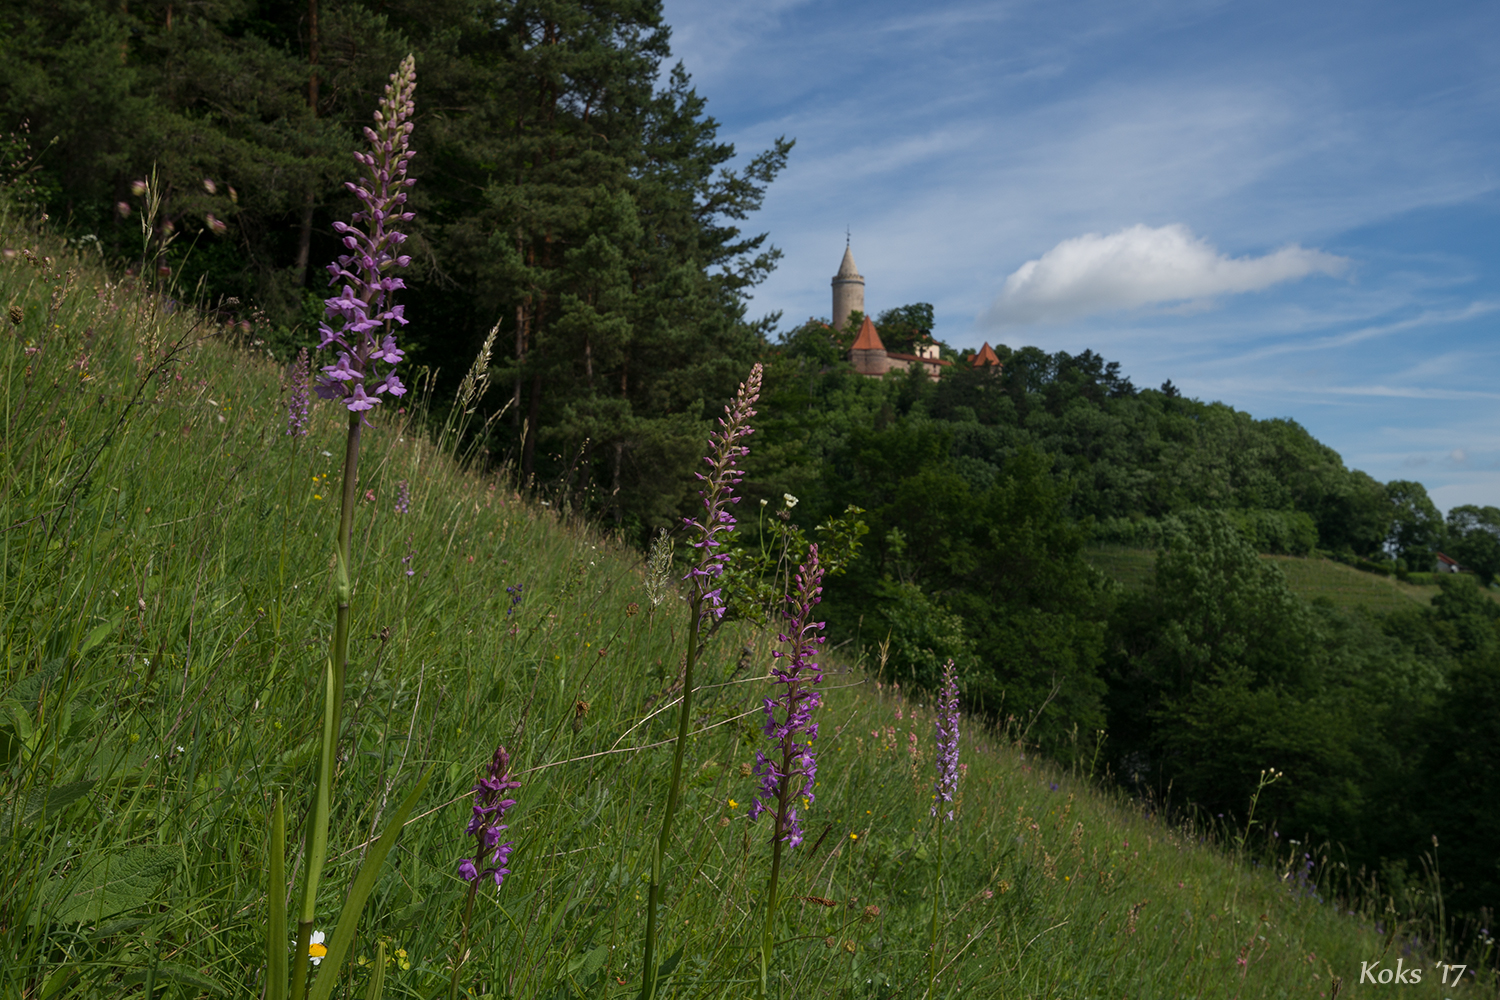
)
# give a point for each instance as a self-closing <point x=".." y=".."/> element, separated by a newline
<point x="99" y="633"/>
<point x="670" y="965"/>
<point x="590" y="962"/>
<point x="44" y="802"/>
<point x="107" y="885"/>
<point x="184" y="976"/>
<point x="58" y="981"/>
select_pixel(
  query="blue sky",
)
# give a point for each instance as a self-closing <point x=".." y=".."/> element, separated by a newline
<point x="1293" y="207"/>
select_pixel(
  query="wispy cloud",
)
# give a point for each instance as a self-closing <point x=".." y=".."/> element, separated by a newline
<point x="1141" y="266"/>
<point x="1425" y="320"/>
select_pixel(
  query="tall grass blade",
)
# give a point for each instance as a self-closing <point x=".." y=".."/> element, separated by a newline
<point x="359" y="892"/>
<point x="276" y="901"/>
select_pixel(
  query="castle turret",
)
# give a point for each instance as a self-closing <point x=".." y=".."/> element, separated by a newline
<point x="869" y="354"/>
<point x="848" y="291"/>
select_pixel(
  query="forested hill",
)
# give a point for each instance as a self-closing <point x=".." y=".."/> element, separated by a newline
<point x="1129" y="455"/>
<point x="981" y="494"/>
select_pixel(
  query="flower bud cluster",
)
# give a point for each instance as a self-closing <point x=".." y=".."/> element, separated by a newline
<point x="793" y="731"/>
<point x="718" y="492"/>
<point x="359" y="318"/>
<point x="296" y="408"/>
<point x="947" y="742"/>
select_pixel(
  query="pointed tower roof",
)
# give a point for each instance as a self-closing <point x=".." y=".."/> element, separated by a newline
<point x="847" y="268"/>
<point x="987" y="358"/>
<point x="868" y="339"/>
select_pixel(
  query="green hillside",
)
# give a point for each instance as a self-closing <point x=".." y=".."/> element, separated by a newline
<point x="165" y="610"/>
<point x="1310" y="578"/>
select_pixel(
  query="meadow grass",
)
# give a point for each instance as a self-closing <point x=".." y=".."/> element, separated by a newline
<point x="167" y="553"/>
<point x="1309" y="578"/>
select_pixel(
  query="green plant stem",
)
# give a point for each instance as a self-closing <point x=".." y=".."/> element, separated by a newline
<point x="463" y="948"/>
<point x="291" y="486"/>
<point x="778" y="836"/>
<point x="684" y="719"/>
<point x="937" y="895"/>
<point x="333" y="697"/>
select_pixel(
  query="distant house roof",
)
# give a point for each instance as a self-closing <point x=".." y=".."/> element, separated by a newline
<point x="868" y="339"/>
<point x="986" y="358"/>
<point x="1447" y="560"/>
<point x="917" y="358"/>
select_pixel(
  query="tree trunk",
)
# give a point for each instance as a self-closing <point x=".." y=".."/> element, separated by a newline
<point x="520" y="360"/>
<point x="528" y="451"/>
<point x="304" y="235"/>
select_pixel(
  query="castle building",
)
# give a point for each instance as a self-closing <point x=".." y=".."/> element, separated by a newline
<point x="868" y="354"/>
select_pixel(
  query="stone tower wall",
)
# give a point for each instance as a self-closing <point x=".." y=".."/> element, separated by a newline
<point x="848" y="296"/>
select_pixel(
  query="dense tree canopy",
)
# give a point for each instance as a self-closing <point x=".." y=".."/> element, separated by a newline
<point x="571" y="195"/>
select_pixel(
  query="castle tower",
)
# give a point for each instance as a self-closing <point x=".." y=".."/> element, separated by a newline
<point x="848" y="291"/>
<point x="869" y="354"/>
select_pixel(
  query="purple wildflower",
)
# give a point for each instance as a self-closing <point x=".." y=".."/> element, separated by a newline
<point x="718" y="492"/>
<point x="515" y="599"/>
<point x="403" y="497"/>
<point x="296" y="409"/>
<point x="797" y="702"/>
<point x="947" y="742"/>
<point x="360" y="317"/>
<point x="485" y="825"/>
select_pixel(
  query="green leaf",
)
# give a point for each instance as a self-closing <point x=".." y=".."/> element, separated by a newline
<point x="107" y="885"/>
<point x="364" y="884"/>
<point x="44" y="802"/>
<point x="184" y="976"/>
<point x="114" y="927"/>
<point x="589" y="963"/>
<point x="20" y="721"/>
<point x="670" y="965"/>
<point x="58" y="981"/>
<point x="377" y="974"/>
<point x="99" y="633"/>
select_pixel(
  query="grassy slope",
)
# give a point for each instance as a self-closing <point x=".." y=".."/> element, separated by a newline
<point x="165" y="609"/>
<point x="1344" y="585"/>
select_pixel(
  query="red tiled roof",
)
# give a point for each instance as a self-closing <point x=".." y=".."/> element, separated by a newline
<point x="868" y="339"/>
<point x="986" y="357"/>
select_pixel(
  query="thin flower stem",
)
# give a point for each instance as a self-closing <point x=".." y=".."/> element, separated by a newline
<point x="286" y="517"/>
<point x="778" y="838"/>
<point x="937" y="892"/>
<point x="707" y="601"/>
<point x="463" y="948"/>
<point x="333" y="697"/>
<point x="343" y="585"/>
<point x="653" y="894"/>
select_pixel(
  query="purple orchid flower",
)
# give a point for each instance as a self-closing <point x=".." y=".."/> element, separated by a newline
<point x="356" y="317"/>
<point x="793" y="731"/>
<point x="485" y="826"/>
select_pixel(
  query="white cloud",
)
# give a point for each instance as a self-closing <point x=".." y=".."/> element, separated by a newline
<point x="1140" y="266"/>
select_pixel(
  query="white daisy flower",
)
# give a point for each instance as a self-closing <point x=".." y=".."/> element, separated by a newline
<point x="315" y="949"/>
